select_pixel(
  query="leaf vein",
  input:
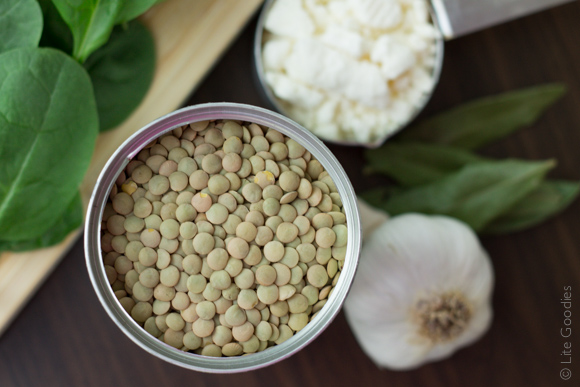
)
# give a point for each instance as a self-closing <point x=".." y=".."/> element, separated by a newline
<point x="15" y="183"/>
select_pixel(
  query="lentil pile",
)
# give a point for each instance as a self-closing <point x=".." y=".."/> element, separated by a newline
<point x="223" y="238"/>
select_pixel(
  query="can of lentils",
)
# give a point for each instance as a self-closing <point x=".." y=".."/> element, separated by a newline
<point x="222" y="237"/>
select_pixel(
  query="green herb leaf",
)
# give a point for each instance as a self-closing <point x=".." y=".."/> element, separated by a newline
<point x="48" y="128"/>
<point x="90" y="21"/>
<point x="482" y="121"/>
<point x="413" y="164"/>
<point x="476" y="194"/>
<point x="20" y="24"/>
<point x="71" y="219"/>
<point x="375" y="197"/>
<point x="551" y="197"/>
<point x="133" y="8"/>
<point x="121" y="72"/>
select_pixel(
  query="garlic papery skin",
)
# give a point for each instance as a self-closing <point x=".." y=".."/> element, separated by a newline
<point x="422" y="290"/>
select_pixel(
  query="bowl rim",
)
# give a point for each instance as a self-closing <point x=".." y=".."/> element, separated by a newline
<point x="130" y="148"/>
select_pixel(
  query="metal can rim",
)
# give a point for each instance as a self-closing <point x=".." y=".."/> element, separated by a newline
<point x="130" y="148"/>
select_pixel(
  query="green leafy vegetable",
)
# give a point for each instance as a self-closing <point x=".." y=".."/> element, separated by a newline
<point x="133" y="8"/>
<point x="479" y="122"/>
<point x="90" y="21"/>
<point x="70" y="219"/>
<point x="477" y="193"/>
<point x="48" y="105"/>
<point x="55" y="33"/>
<point x="48" y="128"/>
<point x="121" y="72"/>
<point x="20" y="24"/>
<point x="413" y="164"/>
<point x="551" y="197"/>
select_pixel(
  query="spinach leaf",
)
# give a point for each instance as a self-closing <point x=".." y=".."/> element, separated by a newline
<point x="70" y="219"/>
<point x="48" y="128"/>
<point x="413" y="164"/>
<point x="121" y="72"/>
<point x="551" y="197"/>
<point x="55" y="33"/>
<point x="482" y="121"/>
<point x="133" y="8"/>
<point x="476" y="194"/>
<point x="20" y="24"/>
<point x="90" y="21"/>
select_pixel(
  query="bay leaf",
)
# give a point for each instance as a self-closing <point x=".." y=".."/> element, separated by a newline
<point x="412" y="164"/>
<point x="375" y="197"/>
<point x="550" y="198"/>
<point x="482" y="121"/>
<point x="476" y="194"/>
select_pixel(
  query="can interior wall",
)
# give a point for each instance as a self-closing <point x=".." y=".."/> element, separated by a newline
<point x="130" y="148"/>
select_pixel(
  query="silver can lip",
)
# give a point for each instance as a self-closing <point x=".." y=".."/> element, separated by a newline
<point x="274" y="103"/>
<point x="130" y="148"/>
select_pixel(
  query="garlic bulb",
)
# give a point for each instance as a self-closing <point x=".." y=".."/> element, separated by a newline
<point x="422" y="291"/>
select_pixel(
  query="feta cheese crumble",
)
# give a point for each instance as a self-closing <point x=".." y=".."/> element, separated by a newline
<point x="350" y="70"/>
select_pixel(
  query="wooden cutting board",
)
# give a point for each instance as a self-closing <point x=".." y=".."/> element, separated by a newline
<point x="190" y="36"/>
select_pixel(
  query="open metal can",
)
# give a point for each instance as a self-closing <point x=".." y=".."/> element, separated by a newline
<point x="130" y="149"/>
<point x="451" y="18"/>
<point x="275" y="103"/>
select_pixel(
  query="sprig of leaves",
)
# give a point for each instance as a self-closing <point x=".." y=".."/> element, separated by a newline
<point x="51" y="105"/>
<point x="477" y="123"/>
<point x="121" y="70"/>
<point x="91" y="21"/>
<point x="412" y="164"/>
<point x="551" y="197"/>
<point x="477" y="194"/>
<point x="442" y="176"/>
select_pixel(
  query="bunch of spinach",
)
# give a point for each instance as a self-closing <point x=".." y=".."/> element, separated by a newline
<point x="67" y="70"/>
<point x="438" y="173"/>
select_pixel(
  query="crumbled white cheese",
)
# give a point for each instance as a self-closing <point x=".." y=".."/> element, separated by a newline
<point x="350" y="70"/>
<point x="349" y="42"/>
<point x="275" y="52"/>
<point x="395" y="57"/>
<point x="322" y="67"/>
<point x="294" y="92"/>
<point x="338" y="10"/>
<point x="380" y="14"/>
<point x="289" y="18"/>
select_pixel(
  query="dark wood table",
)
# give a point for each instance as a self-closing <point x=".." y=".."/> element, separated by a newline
<point x="65" y="338"/>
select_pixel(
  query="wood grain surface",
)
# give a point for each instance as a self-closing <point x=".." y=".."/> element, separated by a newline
<point x="64" y="337"/>
<point x="182" y="29"/>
